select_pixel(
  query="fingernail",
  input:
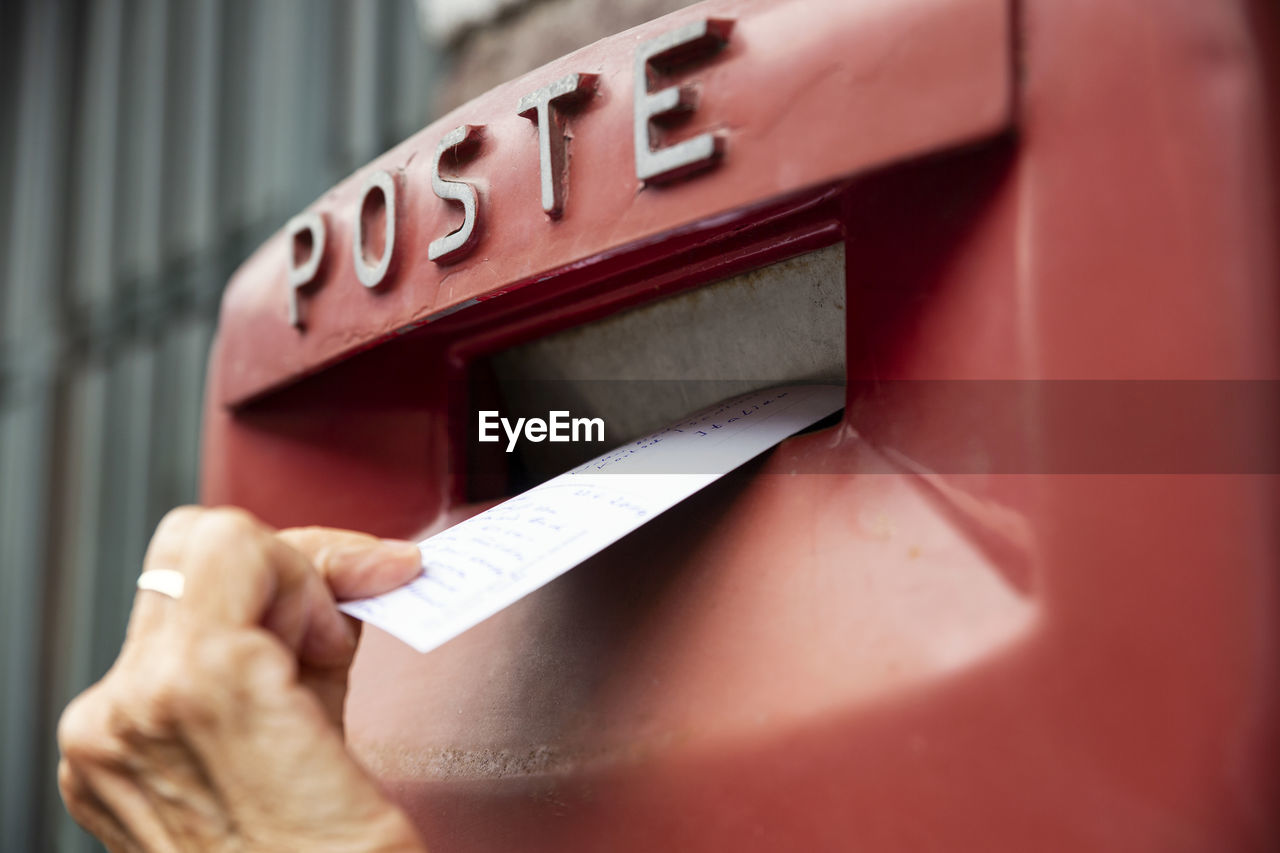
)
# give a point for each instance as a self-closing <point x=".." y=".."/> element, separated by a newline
<point x="401" y="549"/>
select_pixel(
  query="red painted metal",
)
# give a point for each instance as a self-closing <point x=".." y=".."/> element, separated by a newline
<point x="773" y="87"/>
<point x="877" y="658"/>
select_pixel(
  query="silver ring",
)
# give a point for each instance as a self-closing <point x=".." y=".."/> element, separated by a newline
<point x="168" y="582"/>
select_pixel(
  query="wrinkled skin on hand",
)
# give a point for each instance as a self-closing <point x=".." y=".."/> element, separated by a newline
<point x="219" y="727"/>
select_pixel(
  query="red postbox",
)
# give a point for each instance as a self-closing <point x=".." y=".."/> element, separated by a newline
<point x="1022" y="597"/>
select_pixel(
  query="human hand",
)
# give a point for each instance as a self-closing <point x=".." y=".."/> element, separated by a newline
<point x="219" y="725"/>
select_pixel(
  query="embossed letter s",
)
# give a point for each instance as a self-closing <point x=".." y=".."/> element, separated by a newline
<point x="456" y="244"/>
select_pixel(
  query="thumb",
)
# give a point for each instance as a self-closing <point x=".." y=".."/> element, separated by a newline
<point x="356" y="565"/>
<point x="350" y="565"/>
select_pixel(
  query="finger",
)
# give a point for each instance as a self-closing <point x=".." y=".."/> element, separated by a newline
<point x="165" y="551"/>
<point x="119" y="757"/>
<point x="329" y="640"/>
<point x="239" y="573"/>
<point x="353" y="565"/>
<point x="87" y="810"/>
<point x="86" y="740"/>
<point x="234" y="568"/>
<point x="356" y="565"/>
<point x="130" y="807"/>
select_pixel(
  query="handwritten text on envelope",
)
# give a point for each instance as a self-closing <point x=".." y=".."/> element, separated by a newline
<point x="483" y="564"/>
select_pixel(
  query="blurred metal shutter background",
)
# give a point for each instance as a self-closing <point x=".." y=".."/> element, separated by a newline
<point x="146" y="147"/>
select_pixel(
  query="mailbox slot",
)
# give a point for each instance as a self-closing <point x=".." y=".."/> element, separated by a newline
<point x="643" y="367"/>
